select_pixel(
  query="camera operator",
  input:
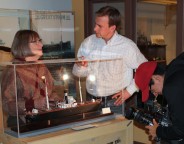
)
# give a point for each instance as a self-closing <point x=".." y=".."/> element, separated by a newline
<point x="170" y="84"/>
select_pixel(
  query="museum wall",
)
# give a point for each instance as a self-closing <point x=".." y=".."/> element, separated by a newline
<point x="64" y="5"/>
<point x="78" y="8"/>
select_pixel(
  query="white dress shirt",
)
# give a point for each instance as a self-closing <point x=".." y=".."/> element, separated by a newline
<point x="110" y="65"/>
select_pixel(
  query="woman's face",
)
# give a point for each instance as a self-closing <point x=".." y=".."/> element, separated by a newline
<point x="36" y="47"/>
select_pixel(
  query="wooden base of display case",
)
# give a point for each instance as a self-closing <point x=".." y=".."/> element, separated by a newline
<point x="118" y="130"/>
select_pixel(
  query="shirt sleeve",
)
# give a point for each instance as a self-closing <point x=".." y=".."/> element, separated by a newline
<point x="133" y="58"/>
<point x="79" y="70"/>
<point x="132" y="88"/>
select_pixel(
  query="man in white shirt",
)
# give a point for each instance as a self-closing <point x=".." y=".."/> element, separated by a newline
<point x="110" y="59"/>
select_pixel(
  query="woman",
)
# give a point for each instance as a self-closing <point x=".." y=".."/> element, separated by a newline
<point x="30" y="86"/>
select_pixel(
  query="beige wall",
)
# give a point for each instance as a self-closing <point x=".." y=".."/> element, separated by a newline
<point x="78" y="8"/>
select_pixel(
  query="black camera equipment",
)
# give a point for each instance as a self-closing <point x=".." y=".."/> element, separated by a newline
<point x="146" y="117"/>
<point x="152" y="110"/>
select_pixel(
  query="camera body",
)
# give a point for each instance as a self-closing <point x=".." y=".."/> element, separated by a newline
<point x="152" y="110"/>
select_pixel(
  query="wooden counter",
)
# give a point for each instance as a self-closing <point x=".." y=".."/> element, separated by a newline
<point x="118" y="130"/>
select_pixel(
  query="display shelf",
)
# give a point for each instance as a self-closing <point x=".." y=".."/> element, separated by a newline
<point x="154" y="52"/>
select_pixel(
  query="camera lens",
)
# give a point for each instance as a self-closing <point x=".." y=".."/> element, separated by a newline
<point x="139" y="116"/>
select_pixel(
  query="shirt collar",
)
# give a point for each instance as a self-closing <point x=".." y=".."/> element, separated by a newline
<point x="112" y="38"/>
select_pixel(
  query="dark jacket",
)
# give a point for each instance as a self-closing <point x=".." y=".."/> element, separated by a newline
<point x="173" y="91"/>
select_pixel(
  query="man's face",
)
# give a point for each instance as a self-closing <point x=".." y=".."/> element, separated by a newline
<point x="156" y="85"/>
<point x="102" y="28"/>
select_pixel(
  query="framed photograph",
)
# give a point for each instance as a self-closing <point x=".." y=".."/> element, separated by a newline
<point x="157" y="39"/>
<point x="56" y="29"/>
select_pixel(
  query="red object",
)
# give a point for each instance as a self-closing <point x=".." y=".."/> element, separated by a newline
<point x="143" y="76"/>
<point x="29" y="105"/>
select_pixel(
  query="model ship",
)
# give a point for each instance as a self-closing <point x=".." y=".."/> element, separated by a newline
<point x="61" y="110"/>
<point x="61" y="116"/>
<point x="61" y="113"/>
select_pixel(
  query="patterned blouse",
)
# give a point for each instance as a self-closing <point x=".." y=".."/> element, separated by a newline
<point x="29" y="86"/>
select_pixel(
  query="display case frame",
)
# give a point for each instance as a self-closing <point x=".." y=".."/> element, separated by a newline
<point x="54" y="119"/>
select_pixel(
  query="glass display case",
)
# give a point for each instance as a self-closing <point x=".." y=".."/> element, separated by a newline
<point x="50" y="95"/>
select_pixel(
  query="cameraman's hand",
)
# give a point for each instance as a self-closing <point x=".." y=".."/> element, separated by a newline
<point x="152" y="130"/>
<point x="82" y="62"/>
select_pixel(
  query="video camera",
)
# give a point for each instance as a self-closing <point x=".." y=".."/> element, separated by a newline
<point x="146" y="115"/>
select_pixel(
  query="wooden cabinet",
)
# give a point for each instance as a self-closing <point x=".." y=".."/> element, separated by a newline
<point x="154" y="52"/>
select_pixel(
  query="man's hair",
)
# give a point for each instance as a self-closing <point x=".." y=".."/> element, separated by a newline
<point x="159" y="70"/>
<point x="113" y="14"/>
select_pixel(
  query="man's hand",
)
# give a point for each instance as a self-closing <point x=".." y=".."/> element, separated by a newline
<point x="82" y="62"/>
<point x="152" y="130"/>
<point x="121" y="97"/>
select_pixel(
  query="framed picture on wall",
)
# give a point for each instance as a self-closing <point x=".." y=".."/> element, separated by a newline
<point x="157" y="39"/>
<point x="56" y="29"/>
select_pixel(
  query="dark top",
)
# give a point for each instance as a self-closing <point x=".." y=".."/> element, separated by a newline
<point x="173" y="91"/>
